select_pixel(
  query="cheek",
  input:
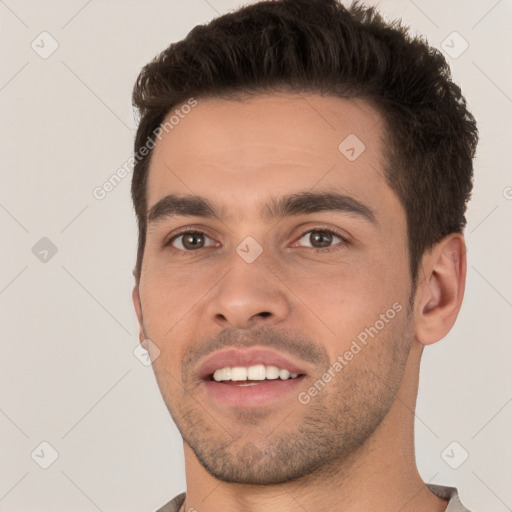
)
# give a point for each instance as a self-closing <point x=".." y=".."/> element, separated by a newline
<point x="170" y="290"/>
<point x="347" y="301"/>
<point x="168" y="297"/>
<point x="334" y="297"/>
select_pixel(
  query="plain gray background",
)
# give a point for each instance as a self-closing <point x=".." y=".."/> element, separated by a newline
<point x="68" y="373"/>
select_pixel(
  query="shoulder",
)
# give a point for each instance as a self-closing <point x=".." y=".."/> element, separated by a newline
<point x="451" y="494"/>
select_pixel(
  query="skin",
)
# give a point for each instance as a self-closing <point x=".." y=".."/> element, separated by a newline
<point x="352" y="446"/>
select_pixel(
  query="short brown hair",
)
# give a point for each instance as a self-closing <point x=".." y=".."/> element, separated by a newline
<point x="321" y="46"/>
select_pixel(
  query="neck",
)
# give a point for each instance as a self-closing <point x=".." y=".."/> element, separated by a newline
<point x="380" y="475"/>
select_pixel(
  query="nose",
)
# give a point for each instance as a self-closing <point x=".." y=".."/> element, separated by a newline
<point x="249" y="294"/>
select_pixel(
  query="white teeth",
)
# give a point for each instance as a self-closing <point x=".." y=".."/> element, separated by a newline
<point x="284" y="374"/>
<point x="222" y="374"/>
<point x="256" y="372"/>
<point x="272" y="372"/>
<point x="238" y="373"/>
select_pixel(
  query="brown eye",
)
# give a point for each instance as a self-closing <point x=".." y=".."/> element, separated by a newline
<point x="321" y="238"/>
<point x="189" y="240"/>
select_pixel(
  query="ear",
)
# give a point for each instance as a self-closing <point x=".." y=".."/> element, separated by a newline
<point x="138" y="311"/>
<point x="442" y="280"/>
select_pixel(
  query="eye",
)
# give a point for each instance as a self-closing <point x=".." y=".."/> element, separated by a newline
<point x="189" y="240"/>
<point x="322" y="239"/>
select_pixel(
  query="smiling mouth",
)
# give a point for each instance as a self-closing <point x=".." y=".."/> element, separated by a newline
<point x="251" y="375"/>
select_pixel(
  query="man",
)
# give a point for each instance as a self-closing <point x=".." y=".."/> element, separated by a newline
<point x="302" y="173"/>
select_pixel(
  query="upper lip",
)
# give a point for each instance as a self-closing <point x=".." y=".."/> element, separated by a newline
<point x="247" y="357"/>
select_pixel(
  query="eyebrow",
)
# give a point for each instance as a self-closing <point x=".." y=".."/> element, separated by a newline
<point x="300" y="203"/>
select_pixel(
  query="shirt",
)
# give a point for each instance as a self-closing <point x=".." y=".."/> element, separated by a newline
<point x="446" y="493"/>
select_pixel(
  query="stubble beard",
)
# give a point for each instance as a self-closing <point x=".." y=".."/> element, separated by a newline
<point x="319" y="437"/>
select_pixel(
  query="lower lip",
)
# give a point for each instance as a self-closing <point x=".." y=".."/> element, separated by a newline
<point x="257" y="395"/>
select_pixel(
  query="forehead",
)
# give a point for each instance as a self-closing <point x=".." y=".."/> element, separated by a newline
<point x="238" y="153"/>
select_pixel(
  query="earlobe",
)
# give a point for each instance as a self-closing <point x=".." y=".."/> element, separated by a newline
<point x="439" y="295"/>
<point x="138" y="310"/>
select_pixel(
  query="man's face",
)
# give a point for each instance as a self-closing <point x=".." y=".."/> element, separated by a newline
<point x="300" y="288"/>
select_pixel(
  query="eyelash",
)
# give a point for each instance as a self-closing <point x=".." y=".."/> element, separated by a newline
<point x="316" y="249"/>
